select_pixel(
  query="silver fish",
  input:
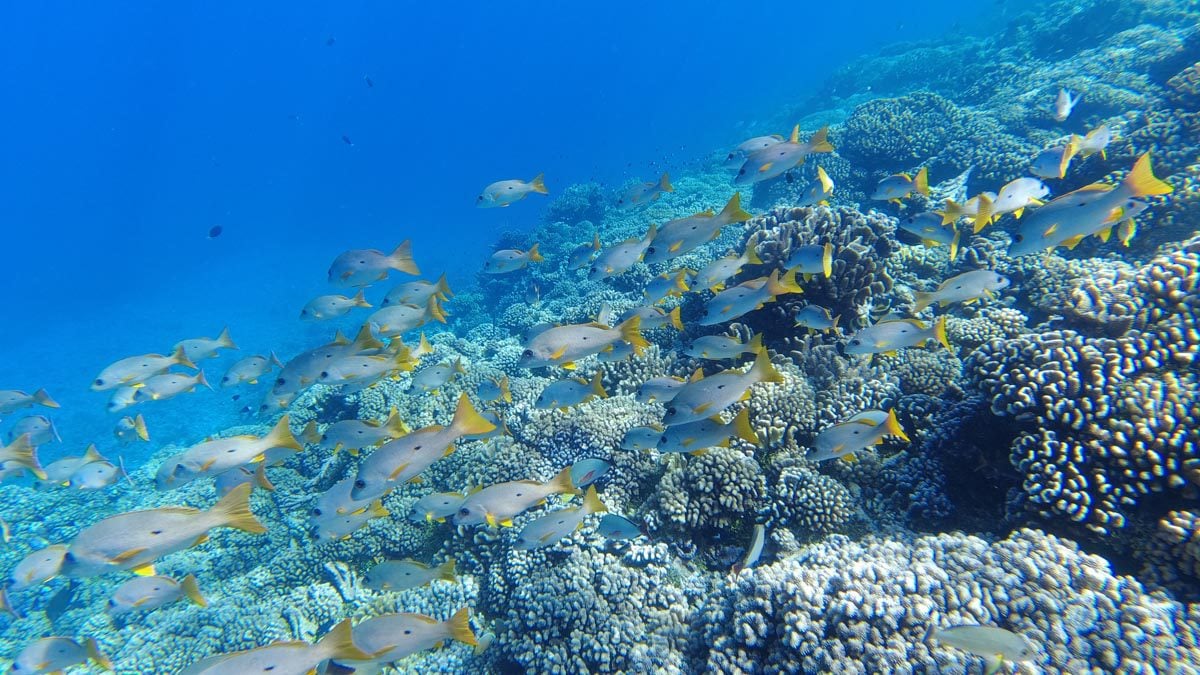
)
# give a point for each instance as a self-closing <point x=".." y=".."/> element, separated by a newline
<point x="505" y="192"/>
<point x="363" y="267"/>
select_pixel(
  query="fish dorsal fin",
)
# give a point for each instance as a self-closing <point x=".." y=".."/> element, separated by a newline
<point x="697" y="375"/>
<point x="795" y="137"/>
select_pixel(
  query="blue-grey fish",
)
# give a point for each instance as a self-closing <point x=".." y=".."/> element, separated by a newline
<point x="59" y="471"/>
<point x="548" y="529"/>
<point x="197" y="349"/>
<point x="492" y="390"/>
<point x="142" y="594"/>
<point x="563" y="345"/>
<point x="776" y="159"/>
<point x="436" y="506"/>
<point x="1053" y="162"/>
<point x="283" y="658"/>
<point x="966" y="288"/>
<point x="642" y="438"/>
<point x="1018" y="194"/>
<point x="169" y="385"/>
<point x="15" y="399"/>
<point x="667" y="286"/>
<point x="56" y="654"/>
<point x="644" y="193"/>
<point x="816" y="318"/>
<point x="570" y="392"/>
<point x="613" y="526"/>
<point x="581" y="256"/>
<point x="887" y="337"/>
<point x="337" y="515"/>
<point x="996" y="645"/>
<point x="362" y="371"/>
<point x="654" y="317"/>
<point x="813" y="259"/>
<point x="502" y="193"/>
<point x="587" y="471"/>
<point x="747" y="296"/>
<point x="417" y="292"/>
<point x="721" y="347"/>
<point x="660" y="389"/>
<point x="396" y="320"/>
<point x="134" y="370"/>
<point x="326" y="307"/>
<point x="679" y="236"/>
<point x="865" y="429"/>
<point x="1096" y="142"/>
<point x="401" y="575"/>
<point x="744" y="149"/>
<point x="511" y="259"/>
<point x="1064" y="103"/>
<point x="216" y="456"/>
<point x="363" y="267"/>
<point x="617" y="259"/>
<point x="1094" y="209"/>
<point x="930" y="228"/>
<point x="40" y="428"/>
<point x="392" y="637"/>
<point x="977" y="208"/>
<point x="818" y="192"/>
<point x="714" y="275"/>
<point x="256" y="477"/>
<point x="250" y="369"/>
<point x="695" y="437"/>
<point x="97" y="475"/>
<point x="498" y="504"/>
<point x="354" y="435"/>
<point x="702" y="398"/>
<point x="432" y="378"/>
<point x="900" y="185"/>
<point x="38" y="567"/>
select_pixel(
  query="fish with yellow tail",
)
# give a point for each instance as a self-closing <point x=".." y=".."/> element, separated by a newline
<point x="512" y="259"/>
<point x="889" y="336"/>
<point x="134" y="370"/>
<point x="396" y="320"/>
<point x="706" y="396"/>
<point x="996" y="646"/>
<point x="432" y="378"/>
<point x="581" y="256"/>
<point x="210" y="458"/>
<point x="738" y="155"/>
<point x="1054" y="161"/>
<point x="325" y="307"/>
<point x="337" y="515"/>
<point x="563" y="345"/>
<point x="679" y="236"/>
<point x="1018" y="194"/>
<point x="978" y="209"/>
<point x="617" y="259"/>
<point x="548" y="529"/>
<point x="818" y="192"/>
<point x="644" y="193"/>
<point x="721" y="347"/>
<point x="283" y="657"/>
<point x="898" y="186"/>
<point x="1097" y="209"/>
<point x="136" y="539"/>
<point x="56" y="654"/>
<point x="21" y="454"/>
<point x="360" y="372"/>
<point x="696" y="437"/>
<point x="14" y="399"/>
<point x="197" y="349"/>
<point x="866" y="429"/>
<point x="492" y="390"/>
<point x="714" y="274"/>
<point x="437" y="506"/>
<point x="250" y="369"/>
<point x="168" y="386"/>
<point x="417" y="292"/>
<point x="365" y="266"/>
<point x="667" y="286"/>
<point x="143" y="594"/>
<point x="816" y="318"/>
<point x="747" y="296"/>
<point x="504" y="193"/>
<point x="777" y="158"/>
<point x="354" y="435"/>
<point x="570" y="392"/>
<point x="392" y="637"/>
<point x="965" y="288"/>
<point x="1096" y="142"/>
<point x="810" y="260"/>
<point x="498" y="504"/>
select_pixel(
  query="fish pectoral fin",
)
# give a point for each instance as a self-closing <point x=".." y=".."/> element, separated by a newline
<point x="398" y="470"/>
<point x="1050" y="230"/>
<point x="702" y="407"/>
<point x="557" y="354"/>
<point x="201" y="539"/>
<point x="491" y="520"/>
<point x="766" y="167"/>
<point x="507" y="522"/>
<point x="569" y="365"/>
<point x="849" y="458"/>
<point x="676" y="246"/>
<point x="128" y="555"/>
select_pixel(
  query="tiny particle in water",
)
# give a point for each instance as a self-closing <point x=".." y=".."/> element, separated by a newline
<point x="329" y="42"/>
<point x="346" y="140"/>
<point x="215" y="231"/>
<point x="368" y="80"/>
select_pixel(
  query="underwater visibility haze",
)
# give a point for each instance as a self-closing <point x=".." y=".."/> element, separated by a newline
<point x="635" y="338"/>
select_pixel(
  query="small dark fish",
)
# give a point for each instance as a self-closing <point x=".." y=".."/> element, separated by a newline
<point x="368" y="80"/>
<point x="788" y="176"/>
<point x="329" y="42"/>
<point x="346" y="140"/>
<point x="215" y="231"/>
<point x="60" y="602"/>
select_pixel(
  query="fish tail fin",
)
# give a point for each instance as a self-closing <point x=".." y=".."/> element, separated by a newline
<point x="538" y="184"/>
<point x="260" y="478"/>
<point x="445" y="571"/>
<point x="820" y="143"/>
<point x="460" y="627"/>
<point x="681" y="281"/>
<point x="598" y="385"/>
<point x="201" y="379"/>
<point x="1069" y="152"/>
<point x="825" y="180"/>
<point x="939" y="332"/>
<point x="360" y="299"/>
<point x="741" y="427"/>
<point x="892" y="426"/>
<point x="777" y="285"/>
<point x="922" y="301"/>
<point x="443" y="286"/>
<point x="225" y="340"/>
<point x="179" y="357"/>
<point x="755" y="345"/>
<point x="752" y="254"/>
<point x="467" y="421"/>
<point x="281" y="436"/>
<point x="505" y="392"/>
<point x="365" y="340"/>
<point x="338" y="644"/>
<point x="954" y="244"/>
<point x="664" y="183"/>
<point x="733" y="212"/>
<point x="22" y="451"/>
<point x="592" y="503"/>
<point x="951" y="212"/>
<point x="233" y="510"/>
<point x="1141" y="180"/>
<point x="401" y="259"/>
<point x="631" y="332"/>
<point x="827" y="260"/>
<point x="673" y="315"/>
<point x="434" y="310"/>
<point x="94" y="654"/>
<point x="983" y="215"/>
<point x="423" y="347"/>
<point x="763" y="370"/>
<point x="42" y="398"/>
<point x="921" y="181"/>
<point x="310" y="433"/>
<point x="139" y="427"/>
<point x="534" y="254"/>
<point x="191" y="590"/>
<point x="394" y="425"/>
<point x="562" y="483"/>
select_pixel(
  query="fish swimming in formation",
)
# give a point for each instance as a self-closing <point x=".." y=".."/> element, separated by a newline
<point x="359" y="372"/>
<point x="59" y="471"/>
<point x="581" y="256"/>
<point x="1064" y="103"/>
<point x="432" y="378"/>
<point x="324" y="307"/>
<point x="392" y="637"/>
<point x="714" y="275"/>
<point x="1096" y="142"/>
<point x="97" y="475"/>
<point x="168" y="386"/>
<point x="1053" y="162"/>
<point x="436" y="506"/>
<point x="143" y="594"/>
<point x="695" y="437"/>
<point x="549" y="528"/>
<point x="417" y="292"/>
<point x="977" y="208"/>
<point x="401" y="575"/>
<point x="365" y="266"/>
<point x="660" y="389"/>
<point x="13" y="399"/>
<point x="563" y="345"/>
<point x="250" y="369"/>
<point x="136" y="539"/>
<point x="21" y="453"/>
<point x="966" y="287"/>
<point x="705" y="397"/>
<point x="283" y="658"/>
<point x="396" y="320"/>
<point x="679" y="236"/>
<point x="898" y="186"/>
<point x="644" y="193"/>
<point x="498" y="504"/>
<point x="337" y="515"/>
<point x="38" y="567"/>
<point x="747" y="296"/>
<point x="777" y="158"/>
<point x="813" y="259"/>
<point x="354" y="435"/>
<point x="570" y="392"/>
<point x="818" y="192"/>
<point x="929" y="228"/>
<point x="889" y="336"/>
<point x="130" y="429"/>
<point x="137" y="369"/>
<point x="40" y="429"/>
<point x="666" y="286"/>
<point x="588" y="471"/>
<point x="721" y="347"/>
<point x="816" y="318"/>
<point x="748" y="147"/>
<point x="864" y="430"/>
<point x="617" y="259"/>
<point x="209" y="458"/>
<point x="997" y="646"/>
<point x="511" y="260"/>
<point x="505" y="192"/>
<point x="1095" y="209"/>
<point x="56" y="654"/>
<point x="197" y="349"/>
<point x="1018" y="194"/>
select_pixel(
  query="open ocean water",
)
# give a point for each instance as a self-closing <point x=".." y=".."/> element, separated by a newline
<point x="910" y="388"/>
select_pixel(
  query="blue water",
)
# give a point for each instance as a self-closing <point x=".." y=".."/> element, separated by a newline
<point x="135" y="128"/>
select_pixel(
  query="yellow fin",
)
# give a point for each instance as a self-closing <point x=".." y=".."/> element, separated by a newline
<point x="146" y="570"/>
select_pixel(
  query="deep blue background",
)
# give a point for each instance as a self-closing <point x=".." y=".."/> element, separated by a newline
<point x="132" y="128"/>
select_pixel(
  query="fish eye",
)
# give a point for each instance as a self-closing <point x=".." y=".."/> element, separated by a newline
<point x="464" y="511"/>
<point x="280" y="382"/>
<point x="99" y="383"/>
<point x="671" y="410"/>
<point x="324" y="374"/>
<point x="360" y="484"/>
<point x="527" y="352"/>
<point x="855" y="343"/>
<point x="316" y="512"/>
<point x="742" y="172"/>
<point x="1018" y="237"/>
